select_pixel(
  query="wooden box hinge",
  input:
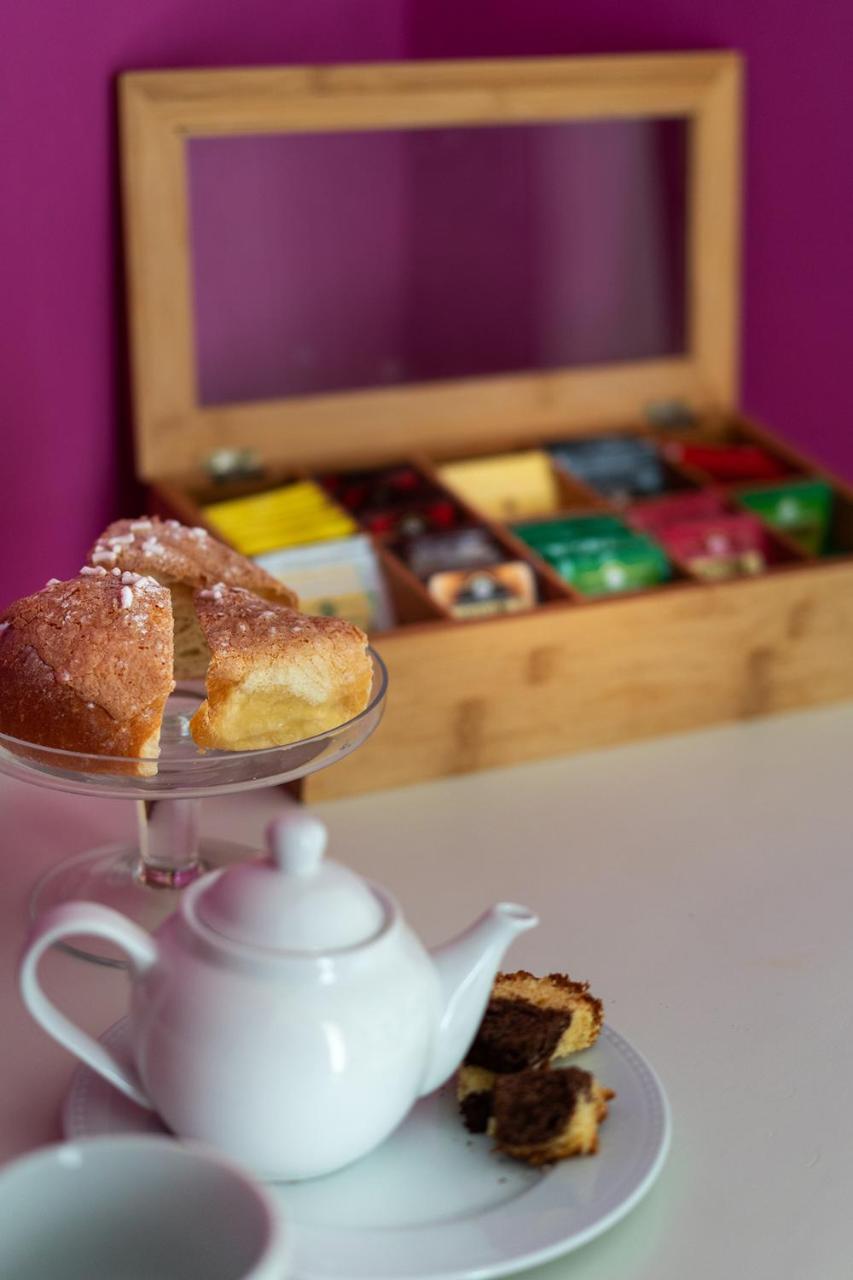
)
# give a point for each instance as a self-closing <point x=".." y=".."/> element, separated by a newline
<point x="672" y="414"/>
<point x="224" y="465"/>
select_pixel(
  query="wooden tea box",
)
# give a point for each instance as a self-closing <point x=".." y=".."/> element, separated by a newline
<point x="426" y="264"/>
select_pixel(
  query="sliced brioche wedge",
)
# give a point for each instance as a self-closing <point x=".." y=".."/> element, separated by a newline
<point x="86" y="665"/>
<point x="276" y="675"/>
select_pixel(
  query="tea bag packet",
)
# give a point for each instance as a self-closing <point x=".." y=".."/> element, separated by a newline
<point x="618" y="467"/>
<point x="508" y="486"/>
<point x="363" y="491"/>
<point x="481" y="593"/>
<point x="422" y="517"/>
<point x="290" y="515"/>
<point x="471" y="548"/>
<point x="731" y="463"/>
<point x="676" y="508"/>
<point x="702" y="533"/>
<point x="721" y="547"/>
<point x="802" y="510"/>
<point x="397" y="501"/>
<point x="598" y="555"/>
<point x="337" y="579"/>
<point x="466" y="571"/>
<point x="632" y="564"/>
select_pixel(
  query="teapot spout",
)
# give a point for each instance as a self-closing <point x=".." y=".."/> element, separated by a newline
<point x="466" y="969"/>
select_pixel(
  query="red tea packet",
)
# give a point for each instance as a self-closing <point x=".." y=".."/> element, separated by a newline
<point x="719" y="547"/>
<point x="652" y="517"/>
<point x="728" y="462"/>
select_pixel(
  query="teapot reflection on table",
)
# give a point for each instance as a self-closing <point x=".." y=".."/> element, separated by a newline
<point x="285" y="1012"/>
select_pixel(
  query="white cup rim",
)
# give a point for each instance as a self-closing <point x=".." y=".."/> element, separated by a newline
<point x="273" y="1251"/>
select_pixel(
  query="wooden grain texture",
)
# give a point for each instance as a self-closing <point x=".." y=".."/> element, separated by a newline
<point x="159" y="290"/>
<point x="445" y="418"/>
<point x="714" y="235"/>
<point x="263" y="99"/>
<point x="162" y="110"/>
<point x="571" y="679"/>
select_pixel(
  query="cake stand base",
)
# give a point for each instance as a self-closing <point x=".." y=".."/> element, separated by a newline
<point x="115" y="876"/>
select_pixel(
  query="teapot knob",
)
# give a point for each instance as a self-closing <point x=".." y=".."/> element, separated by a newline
<point x="297" y="842"/>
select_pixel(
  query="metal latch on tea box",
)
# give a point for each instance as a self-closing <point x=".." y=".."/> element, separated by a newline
<point x="671" y="414"/>
<point x="233" y="464"/>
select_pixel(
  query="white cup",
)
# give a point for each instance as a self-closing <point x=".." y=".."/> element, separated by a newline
<point x="136" y="1208"/>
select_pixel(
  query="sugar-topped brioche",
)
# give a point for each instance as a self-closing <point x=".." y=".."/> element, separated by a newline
<point x="529" y="1022"/>
<point x="543" y="1116"/>
<point x="185" y="560"/>
<point x="275" y="675"/>
<point x="86" y="665"/>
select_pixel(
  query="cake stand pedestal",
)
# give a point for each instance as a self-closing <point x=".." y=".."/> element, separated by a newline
<point x="144" y="879"/>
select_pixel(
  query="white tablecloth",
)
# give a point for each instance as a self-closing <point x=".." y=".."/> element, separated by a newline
<point x="703" y="884"/>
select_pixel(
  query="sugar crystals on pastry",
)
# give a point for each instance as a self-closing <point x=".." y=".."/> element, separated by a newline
<point x="185" y="560"/>
<point x="86" y="664"/>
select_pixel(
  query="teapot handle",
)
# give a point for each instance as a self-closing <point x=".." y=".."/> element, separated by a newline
<point x="67" y="921"/>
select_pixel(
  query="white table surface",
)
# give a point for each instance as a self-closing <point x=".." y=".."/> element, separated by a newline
<point x="703" y="884"/>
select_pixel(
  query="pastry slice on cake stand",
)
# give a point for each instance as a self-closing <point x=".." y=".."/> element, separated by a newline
<point x="99" y="696"/>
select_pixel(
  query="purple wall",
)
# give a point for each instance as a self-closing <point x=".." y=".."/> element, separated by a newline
<point x="67" y="464"/>
<point x="66" y="458"/>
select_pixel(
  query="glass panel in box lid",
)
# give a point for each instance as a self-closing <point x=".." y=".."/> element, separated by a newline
<point x="332" y="261"/>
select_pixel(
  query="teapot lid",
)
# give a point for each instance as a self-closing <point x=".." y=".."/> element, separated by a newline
<point x="294" y="899"/>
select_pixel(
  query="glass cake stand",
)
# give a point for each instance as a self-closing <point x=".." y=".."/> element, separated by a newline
<point x="143" y="880"/>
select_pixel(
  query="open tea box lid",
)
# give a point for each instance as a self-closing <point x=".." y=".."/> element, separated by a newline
<point x="357" y="264"/>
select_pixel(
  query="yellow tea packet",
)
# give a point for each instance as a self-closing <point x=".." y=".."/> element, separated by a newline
<point x="288" y="516"/>
<point x="508" y="486"/>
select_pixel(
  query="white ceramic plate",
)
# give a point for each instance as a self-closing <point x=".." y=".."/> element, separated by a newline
<point x="435" y="1202"/>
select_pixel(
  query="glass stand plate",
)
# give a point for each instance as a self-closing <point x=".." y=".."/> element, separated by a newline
<point x="143" y="881"/>
<point x="112" y="875"/>
<point x="182" y="771"/>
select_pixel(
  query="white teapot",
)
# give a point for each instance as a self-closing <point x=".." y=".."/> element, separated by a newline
<point x="285" y="1013"/>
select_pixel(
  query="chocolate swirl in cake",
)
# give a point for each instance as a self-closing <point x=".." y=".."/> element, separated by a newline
<point x="515" y="1034"/>
<point x="534" y="1107"/>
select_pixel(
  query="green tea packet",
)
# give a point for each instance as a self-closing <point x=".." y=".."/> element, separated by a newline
<point x="597" y="555"/>
<point x="802" y="510"/>
<point x="628" y="565"/>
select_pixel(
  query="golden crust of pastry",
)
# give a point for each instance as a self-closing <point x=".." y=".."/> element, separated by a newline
<point x="86" y="664"/>
<point x="174" y="553"/>
<point x="275" y="675"/>
<point x="558" y="992"/>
